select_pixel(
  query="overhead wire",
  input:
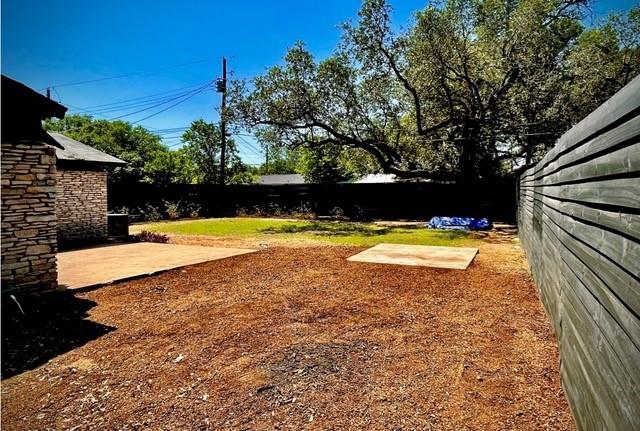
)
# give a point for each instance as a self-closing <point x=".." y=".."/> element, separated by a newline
<point x="148" y="102"/>
<point x="126" y="75"/>
<point x="145" y="98"/>
<point x="179" y="99"/>
<point x="251" y="150"/>
<point x="57" y="94"/>
<point x="184" y="99"/>
<point x="170" y="131"/>
<point x="251" y="146"/>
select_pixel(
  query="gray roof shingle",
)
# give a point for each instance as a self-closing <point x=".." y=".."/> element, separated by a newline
<point x="73" y="150"/>
<point x="281" y="179"/>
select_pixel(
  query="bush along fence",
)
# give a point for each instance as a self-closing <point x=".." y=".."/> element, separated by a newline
<point x="420" y="201"/>
<point x="579" y="222"/>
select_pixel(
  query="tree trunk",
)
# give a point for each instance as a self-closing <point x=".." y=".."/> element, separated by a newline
<point x="468" y="155"/>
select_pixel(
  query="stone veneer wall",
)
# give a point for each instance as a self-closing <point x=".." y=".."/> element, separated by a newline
<point x="28" y="235"/>
<point x="81" y="204"/>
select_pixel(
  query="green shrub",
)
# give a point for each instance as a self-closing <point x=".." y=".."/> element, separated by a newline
<point x="303" y="211"/>
<point x="173" y="210"/>
<point x="120" y="210"/>
<point x="193" y="210"/>
<point x="336" y="212"/>
<point x="358" y="212"/>
<point x="274" y="210"/>
<point x="149" y="212"/>
<point x="147" y="236"/>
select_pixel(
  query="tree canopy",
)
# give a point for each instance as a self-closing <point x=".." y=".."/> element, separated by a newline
<point x="150" y="161"/>
<point x="472" y="89"/>
<point x="202" y="145"/>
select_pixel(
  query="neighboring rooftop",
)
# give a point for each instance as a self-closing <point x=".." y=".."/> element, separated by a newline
<point x="273" y="180"/>
<point x="74" y="151"/>
<point x="376" y="178"/>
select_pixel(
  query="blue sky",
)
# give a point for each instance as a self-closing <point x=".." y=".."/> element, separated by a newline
<point x="54" y="42"/>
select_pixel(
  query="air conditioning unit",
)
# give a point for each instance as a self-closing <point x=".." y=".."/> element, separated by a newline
<point x="118" y="225"/>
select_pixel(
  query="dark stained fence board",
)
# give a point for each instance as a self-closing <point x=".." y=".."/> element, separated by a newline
<point x="619" y="250"/>
<point x="618" y="278"/>
<point x="579" y="223"/>
<point x="627" y="224"/>
<point x="623" y="192"/>
<point x="608" y="402"/>
<point x="495" y="200"/>
<point x="624" y="161"/>
<point x="620" y="108"/>
<point x="623" y="136"/>
<point x="623" y="328"/>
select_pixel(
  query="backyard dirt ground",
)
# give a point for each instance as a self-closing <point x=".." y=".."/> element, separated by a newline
<point x="294" y="338"/>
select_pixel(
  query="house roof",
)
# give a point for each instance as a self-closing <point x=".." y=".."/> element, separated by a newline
<point x="281" y="179"/>
<point x="24" y="98"/>
<point x="72" y="150"/>
<point x="377" y="178"/>
<point x="23" y="110"/>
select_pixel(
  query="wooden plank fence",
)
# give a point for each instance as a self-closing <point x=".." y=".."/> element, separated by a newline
<point x="579" y="223"/>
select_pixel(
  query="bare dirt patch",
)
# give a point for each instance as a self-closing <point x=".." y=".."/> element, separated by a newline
<point x="300" y="338"/>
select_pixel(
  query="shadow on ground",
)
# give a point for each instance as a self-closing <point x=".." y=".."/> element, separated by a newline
<point x="338" y="229"/>
<point x="52" y="324"/>
<point x="329" y="229"/>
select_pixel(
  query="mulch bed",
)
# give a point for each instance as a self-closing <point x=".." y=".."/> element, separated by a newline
<point x="293" y="338"/>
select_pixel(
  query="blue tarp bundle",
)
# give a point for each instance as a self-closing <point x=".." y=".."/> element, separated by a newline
<point x="459" y="223"/>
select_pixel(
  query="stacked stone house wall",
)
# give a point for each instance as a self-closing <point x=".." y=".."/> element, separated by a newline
<point x="28" y="238"/>
<point x="81" y="204"/>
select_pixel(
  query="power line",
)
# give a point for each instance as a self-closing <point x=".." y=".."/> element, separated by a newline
<point x="188" y="95"/>
<point x="180" y="98"/>
<point x="88" y="81"/>
<point x="183" y="98"/>
<point x="170" y="106"/>
<point x="164" y="136"/>
<point x="256" y="150"/>
<point x="147" y="97"/>
<point x="145" y="103"/>
<point x="57" y="94"/>
<point x="169" y="131"/>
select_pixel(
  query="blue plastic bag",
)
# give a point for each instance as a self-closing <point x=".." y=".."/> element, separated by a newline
<point x="459" y="223"/>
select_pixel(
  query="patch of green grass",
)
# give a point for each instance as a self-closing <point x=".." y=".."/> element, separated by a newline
<point x="336" y="232"/>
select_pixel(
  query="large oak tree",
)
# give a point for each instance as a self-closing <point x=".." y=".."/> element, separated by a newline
<point x="472" y="87"/>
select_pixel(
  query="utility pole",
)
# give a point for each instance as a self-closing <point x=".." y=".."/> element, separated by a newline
<point x="266" y="160"/>
<point x="48" y="92"/>
<point x="222" y="87"/>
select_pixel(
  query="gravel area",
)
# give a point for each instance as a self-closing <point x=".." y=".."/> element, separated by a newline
<point x="292" y="338"/>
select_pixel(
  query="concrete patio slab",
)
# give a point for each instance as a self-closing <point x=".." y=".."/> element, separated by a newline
<point x="418" y="255"/>
<point x="106" y="264"/>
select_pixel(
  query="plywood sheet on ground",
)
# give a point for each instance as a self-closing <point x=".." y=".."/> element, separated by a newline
<point x="100" y="265"/>
<point x="418" y="255"/>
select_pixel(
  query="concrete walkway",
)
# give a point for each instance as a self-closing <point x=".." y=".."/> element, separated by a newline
<point x="418" y="255"/>
<point x="105" y="264"/>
